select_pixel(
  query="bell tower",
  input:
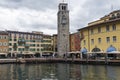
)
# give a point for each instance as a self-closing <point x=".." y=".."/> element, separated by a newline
<point x="63" y="29"/>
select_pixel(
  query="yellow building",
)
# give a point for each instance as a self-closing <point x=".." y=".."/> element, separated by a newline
<point x="103" y="34"/>
<point x="47" y="44"/>
<point x="55" y="42"/>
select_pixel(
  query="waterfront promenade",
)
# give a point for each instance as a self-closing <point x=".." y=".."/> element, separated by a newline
<point x="60" y="60"/>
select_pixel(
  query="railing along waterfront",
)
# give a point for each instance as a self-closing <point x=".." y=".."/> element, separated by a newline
<point x="98" y="60"/>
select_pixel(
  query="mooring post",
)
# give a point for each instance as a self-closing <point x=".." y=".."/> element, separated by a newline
<point x="87" y="58"/>
<point x="81" y="56"/>
<point x="106" y="61"/>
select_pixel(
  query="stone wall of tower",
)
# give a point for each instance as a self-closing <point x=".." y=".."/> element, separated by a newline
<point x="63" y="31"/>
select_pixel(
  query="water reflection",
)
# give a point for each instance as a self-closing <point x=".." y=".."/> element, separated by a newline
<point x="58" y="72"/>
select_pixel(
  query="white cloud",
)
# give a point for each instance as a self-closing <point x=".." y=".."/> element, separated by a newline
<point x="41" y="15"/>
<point x="23" y="19"/>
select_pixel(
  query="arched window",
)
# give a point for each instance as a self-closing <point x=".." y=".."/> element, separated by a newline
<point x="113" y="16"/>
<point x="96" y="50"/>
<point x="118" y="15"/>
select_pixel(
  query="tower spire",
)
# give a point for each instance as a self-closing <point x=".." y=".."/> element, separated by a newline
<point x="63" y="1"/>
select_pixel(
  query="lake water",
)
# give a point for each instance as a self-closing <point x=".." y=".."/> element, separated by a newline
<point x="58" y="71"/>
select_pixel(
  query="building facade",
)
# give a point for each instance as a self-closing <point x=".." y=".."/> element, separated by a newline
<point x="63" y="29"/>
<point x="47" y="45"/>
<point x="24" y="43"/>
<point x="102" y="34"/>
<point x="55" y="43"/>
<point x="3" y="43"/>
<point x="75" y="42"/>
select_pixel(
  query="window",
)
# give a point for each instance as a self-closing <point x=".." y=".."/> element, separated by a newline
<point x="5" y="49"/>
<point x="99" y="40"/>
<point x="0" y="44"/>
<point x="107" y="39"/>
<point x="26" y="36"/>
<point x="92" y="32"/>
<point x="5" y="37"/>
<point x="10" y="49"/>
<point x="114" y="27"/>
<point x="114" y="39"/>
<point x="22" y="35"/>
<point x="9" y="34"/>
<point x="33" y="36"/>
<point x="15" y="35"/>
<point x="23" y="49"/>
<point x="19" y="35"/>
<point x="5" y="44"/>
<point x="10" y="44"/>
<point x="113" y="16"/>
<point x="118" y="15"/>
<point x="19" y="49"/>
<point x="37" y="49"/>
<point x="0" y="49"/>
<point x="99" y="29"/>
<point x="30" y="36"/>
<point x="92" y="41"/>
<point x="33" y="49"/>
<point x="107" y="28"/>
<point x="63" y="7"/>
<point x="10" y="39"/>
<point x="37" y="45"/>
<point x="84" y="42"/>
<point x="15" y="49"/>
<point x="15" y="39"/>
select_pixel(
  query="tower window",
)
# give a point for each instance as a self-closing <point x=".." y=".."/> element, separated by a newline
<point x="63" y="7"/>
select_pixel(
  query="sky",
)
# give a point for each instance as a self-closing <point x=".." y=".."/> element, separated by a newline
<point x="41" y="15"/>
